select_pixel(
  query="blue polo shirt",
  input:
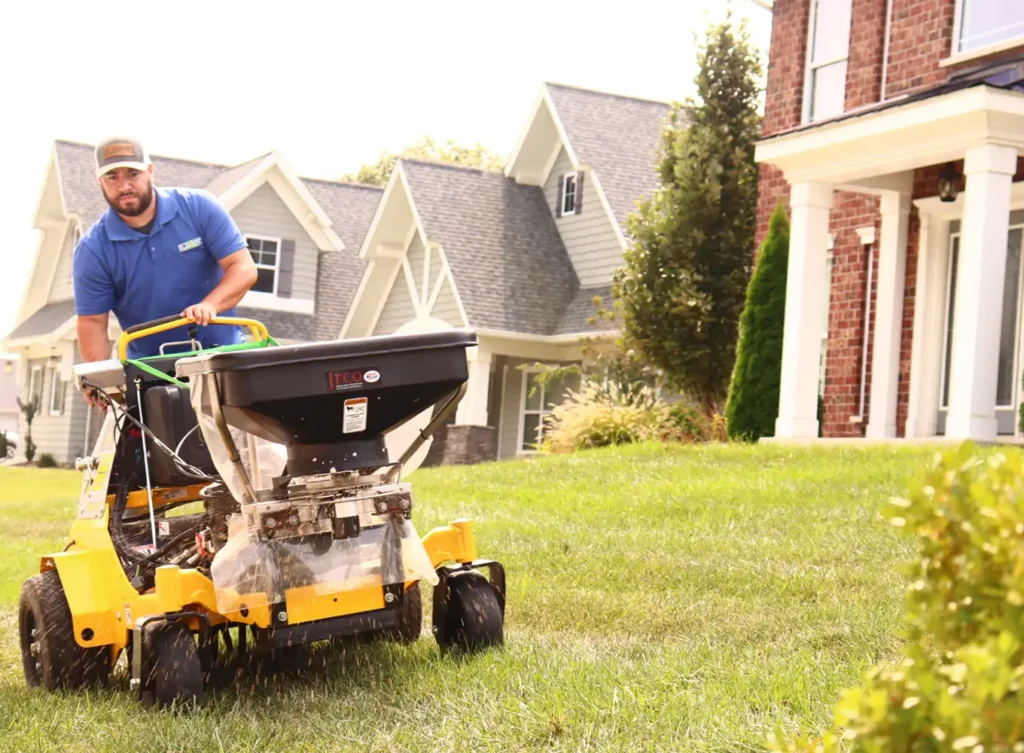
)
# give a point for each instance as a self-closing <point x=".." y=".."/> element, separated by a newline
<point x="144" y="277"/>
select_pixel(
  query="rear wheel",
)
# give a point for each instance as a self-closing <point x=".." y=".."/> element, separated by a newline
<point x="50" y="656"/>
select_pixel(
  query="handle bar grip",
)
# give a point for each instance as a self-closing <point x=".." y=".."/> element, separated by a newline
<point x="154" y="323"/>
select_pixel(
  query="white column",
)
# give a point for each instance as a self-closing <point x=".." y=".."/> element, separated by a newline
<point x="805" y="296"/>
<point x="922" y="400"/>
<point x="989" y="169"/>
<point x="892" y="265"/>
<point x="472" y="410"/>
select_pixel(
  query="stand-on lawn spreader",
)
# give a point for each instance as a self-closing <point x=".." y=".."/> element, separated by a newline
<point x="301" y="525"/>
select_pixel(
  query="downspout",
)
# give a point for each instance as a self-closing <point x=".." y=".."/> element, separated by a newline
<point x="885" y="48"/>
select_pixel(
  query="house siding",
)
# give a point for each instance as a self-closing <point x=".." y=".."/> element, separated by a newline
<point x="51" y="434"/>
<point x="264" y="213"/>
<point x="589" y="236"/>
<point x="398" y="308"/>
<point x="62" y="287"/>
<point x="446" y="307"/>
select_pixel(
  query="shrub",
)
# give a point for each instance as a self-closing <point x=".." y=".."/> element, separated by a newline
<point x="603" y="414"/>
<point x="958" y="686"/>
<point x="46" y="460"/>
<point x="7" y="445"/>
<point x="686" y="423"/>
<point x="754" y="390"/>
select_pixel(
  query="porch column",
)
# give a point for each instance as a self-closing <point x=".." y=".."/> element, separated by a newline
<point x="810" y="203"/>
<point x="925" y="349"/>
<point x="892" y="265"/>
<point x="472" y="411"/>
<point x="989" y="170"/>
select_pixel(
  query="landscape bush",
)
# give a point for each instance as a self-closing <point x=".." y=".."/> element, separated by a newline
<point x="957" y="686"/>
<point x="46" y="460"/>
<point x="599" y="415"/>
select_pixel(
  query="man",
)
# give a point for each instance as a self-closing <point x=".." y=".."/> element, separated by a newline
<point x="154" y="253"/>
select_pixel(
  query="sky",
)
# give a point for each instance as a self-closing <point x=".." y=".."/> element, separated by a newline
<point x="330" y="85"/>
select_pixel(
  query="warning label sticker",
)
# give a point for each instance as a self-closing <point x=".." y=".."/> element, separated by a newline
<point x="355" y="415"/>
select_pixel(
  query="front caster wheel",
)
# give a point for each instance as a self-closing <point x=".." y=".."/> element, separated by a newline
<point x="469" y="617"/>
<point x="173" y="671"/>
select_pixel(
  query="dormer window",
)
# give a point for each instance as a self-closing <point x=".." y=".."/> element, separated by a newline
<point x="570" y="194"/>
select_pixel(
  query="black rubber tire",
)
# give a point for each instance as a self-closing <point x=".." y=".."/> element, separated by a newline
<point x="410" y="618"/>
<point x="173" y="672"/>
<point x="473" y="618"/>
<point x="59" y="660"/>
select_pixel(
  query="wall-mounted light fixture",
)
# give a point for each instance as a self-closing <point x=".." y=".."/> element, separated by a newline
<point x="949" y="183"/>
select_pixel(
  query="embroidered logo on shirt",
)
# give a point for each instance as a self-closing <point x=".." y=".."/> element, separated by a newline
<point x="189" y="245"/>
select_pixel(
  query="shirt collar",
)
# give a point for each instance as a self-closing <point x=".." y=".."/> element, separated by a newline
<point x="117" y="230"/>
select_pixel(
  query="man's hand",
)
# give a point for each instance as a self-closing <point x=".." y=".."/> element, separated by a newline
<point x="92" y="399"/>
<point x="201" y="313"/>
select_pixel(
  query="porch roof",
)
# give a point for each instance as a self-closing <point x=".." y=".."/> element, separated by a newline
<point x="856" y="149"/>
<point x="46" y="320"/>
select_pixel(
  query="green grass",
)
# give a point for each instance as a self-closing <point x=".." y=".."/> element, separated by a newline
<point x="660" y="598"/>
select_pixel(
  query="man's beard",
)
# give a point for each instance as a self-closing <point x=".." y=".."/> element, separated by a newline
<point x="144" y="201"/>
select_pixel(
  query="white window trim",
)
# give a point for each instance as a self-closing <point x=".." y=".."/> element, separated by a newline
<point x="957" y="56"/>
<point x="566" y="177"/>
<point x="947" y="313"/>
<point x="54" y="381"/>
<point x="31" y="384"/>
<point x="277" y="259"/>
<point x="810" y="68"/>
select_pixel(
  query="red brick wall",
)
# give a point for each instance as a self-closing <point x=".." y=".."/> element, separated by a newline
<point x="864" y="67"/>
<point x="921" y="36"/>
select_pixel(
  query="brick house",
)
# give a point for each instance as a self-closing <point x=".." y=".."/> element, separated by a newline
<point x="893" y="133"/>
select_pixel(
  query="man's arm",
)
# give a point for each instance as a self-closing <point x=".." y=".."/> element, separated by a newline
<point x="239" y="275"/>
<point x="93" y="342"/>
<point x="225" y="242"/>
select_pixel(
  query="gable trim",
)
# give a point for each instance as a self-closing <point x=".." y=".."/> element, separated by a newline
<point x="293" y="192"/>
<point x="595" y="182"/>
<point x="543" y="100"/>
<point x="31" y="289"/>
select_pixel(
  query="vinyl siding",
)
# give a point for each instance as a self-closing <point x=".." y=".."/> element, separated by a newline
<point x="398" y="308"/>
<point x="446" y="307"/>
<point x="589" y="236"/>
<point x="264" y="213"/>
<point x="63" y="288"/>
<point x="51" y="434"/>
<point x="417" y="258"/>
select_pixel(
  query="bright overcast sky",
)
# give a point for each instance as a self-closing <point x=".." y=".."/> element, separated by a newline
<point x="329" y="84"/>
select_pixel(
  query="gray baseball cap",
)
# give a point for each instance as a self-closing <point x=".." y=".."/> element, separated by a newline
<point x="120" y="152"/>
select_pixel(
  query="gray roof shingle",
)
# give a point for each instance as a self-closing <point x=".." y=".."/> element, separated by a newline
<point x="349" y="206"/>
<point x="619" y="137"/>
<point x="506" y="256"/>
<point x="45" y="320"/>
<point x="581" y="308"/>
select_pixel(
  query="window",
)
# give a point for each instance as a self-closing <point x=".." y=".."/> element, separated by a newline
<point x="266" y="254"/>
<point x="980" y="23"/>
<point x="58" y="389"/>
<point x="538" y="401"/>
<point x="569" y="193"/>
<point x="35" y="385"/>
<point x="828" y="47"/>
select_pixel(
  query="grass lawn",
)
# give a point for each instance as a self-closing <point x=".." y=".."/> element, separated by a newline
<point x="680" y="598"/>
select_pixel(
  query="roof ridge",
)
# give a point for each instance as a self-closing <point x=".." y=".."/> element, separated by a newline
<point x="452" y="165"/>
<point x="604" y="93"/>
<point x="346" y="183"/>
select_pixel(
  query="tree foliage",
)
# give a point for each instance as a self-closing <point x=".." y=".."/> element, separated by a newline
<point x="684" y="280"/>
<point x="377" y="174"/>
<point x="754" y="390"/>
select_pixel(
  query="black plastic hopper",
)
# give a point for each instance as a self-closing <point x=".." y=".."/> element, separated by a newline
<point x="332" y="403"/>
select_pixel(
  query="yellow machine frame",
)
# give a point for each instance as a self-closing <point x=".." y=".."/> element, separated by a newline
<point x="105" y="606"/>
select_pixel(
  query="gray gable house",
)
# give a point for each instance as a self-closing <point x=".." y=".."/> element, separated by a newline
<point x="517" y="255"/>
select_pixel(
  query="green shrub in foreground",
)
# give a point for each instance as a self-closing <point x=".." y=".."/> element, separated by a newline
<point x="958" y="686"/>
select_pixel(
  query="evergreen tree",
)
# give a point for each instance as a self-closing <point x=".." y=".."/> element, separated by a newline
<point x="684" y="279"/>
<point x="754" y="391"/>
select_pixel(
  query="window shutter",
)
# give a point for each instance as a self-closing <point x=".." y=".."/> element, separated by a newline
<point x="286" y="269"/>
<point x="561" y="196"/>
<point x="579" y="193"/>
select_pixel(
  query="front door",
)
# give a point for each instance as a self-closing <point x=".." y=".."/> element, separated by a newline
<point x="1008" y="389"/>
